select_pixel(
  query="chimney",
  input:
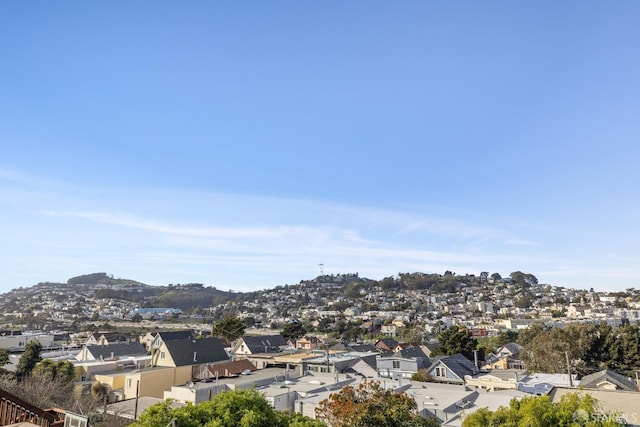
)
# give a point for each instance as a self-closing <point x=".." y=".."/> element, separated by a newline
<point x="195" y="356"/>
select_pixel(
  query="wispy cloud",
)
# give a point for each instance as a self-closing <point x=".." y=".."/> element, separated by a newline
<point x="247" y="240"/>
<point x="514" y="242"/>
<point x="31" y="181"/>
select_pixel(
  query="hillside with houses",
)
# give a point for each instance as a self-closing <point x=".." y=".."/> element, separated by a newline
<point x="455" y="343"/>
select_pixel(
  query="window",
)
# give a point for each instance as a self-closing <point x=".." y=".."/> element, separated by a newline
<point x="162" y="355"/>
<point x="129" y="382"/>
<point x="75" y="420"/>
<point x="441" y="371"/>
<point x="396" y="364"/>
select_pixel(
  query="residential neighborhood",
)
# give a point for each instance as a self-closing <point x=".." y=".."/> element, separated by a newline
<point x="354" y="330"/>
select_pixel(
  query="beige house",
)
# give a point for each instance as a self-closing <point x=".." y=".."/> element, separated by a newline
<point x="308" y="343"/>
<point x="125" y="385"/>
<point x="88" y="369"/>
<point x="98" y="338"/>
<point x="147" y="339"/>
<point x="500" y="379"/>
<point x="151" y="382"/>
<point x="578" y="310"/>
<point x="152" y="340"/>
<point x="189" y="358"/>
<point x="173" y="363"/>
<point x="506" y="357"/>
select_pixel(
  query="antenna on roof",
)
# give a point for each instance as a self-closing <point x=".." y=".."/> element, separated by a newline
<point x="321" y="265"/>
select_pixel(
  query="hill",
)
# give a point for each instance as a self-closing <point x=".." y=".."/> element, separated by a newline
<point x="99" y="279"/>
<point x="103" y="286"/>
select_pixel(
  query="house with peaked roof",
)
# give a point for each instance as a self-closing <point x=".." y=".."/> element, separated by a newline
<point x="99" y="338"/>
<point x="260" y="344"/>
<point x="608" y="380"/>
<point x="365" y="367"/>
<point x="146" y="339"/>
<point x="403" y="363"/>
<point x="451" y="369"/>
<point x="171" y="336"/>
<point x="173" y="363"/>
<point x="362" y="348"/>
<point x="391" y="330"/>
<point x="506" y="357"/>
<point x="308" y="343"/>
<point x="402" y="346"/>
<point x="112" y="351"/>
<point x="386" y="344"/>
<point x="152" y="340"/>
<point x="189" y="356"/>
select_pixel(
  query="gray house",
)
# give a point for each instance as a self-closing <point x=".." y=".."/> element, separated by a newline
<point x="608" y="380"/>
<point x="111" y="352"/>
<point x="260" y="344"/>
<point x="451" y="369"/>
<point x="403" y="363"/>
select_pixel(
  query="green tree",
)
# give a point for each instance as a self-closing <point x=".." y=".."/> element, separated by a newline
<point x="324" y="325"/>
<point x="456" y="339"/>
<point x="369" y="404"/>
<point x="539" y="411"/>
<point x="549" y="350"/>
<point x="523" y="279"/>
<point x="589" y="348"/>
<point x="629" y="337"/>
<point x="235" y="408"/>
<point x="506" y="336"/>
<point x="231" y="328"/>
<point x="351" y="332"/>
<point x="353" y="290"/>
<point x="413" y="334"/>
<point x="29" y="358"/>
<point x="388" y="283"/>
<point x="525" y="300"/>
<point x="421" y="376"/>
<point x="4" y="357"/>
<point x="293" y="331"/>
<point x="527" y="335"/>
<point x="62" y="370"/>
<point x="45" y="369"/>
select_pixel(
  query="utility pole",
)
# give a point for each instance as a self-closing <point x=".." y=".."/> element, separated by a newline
<point x="135" y="409"/>
<point x="566" y="355"/>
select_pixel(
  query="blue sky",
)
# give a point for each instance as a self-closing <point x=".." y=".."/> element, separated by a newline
<point x="240" y="145"/>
